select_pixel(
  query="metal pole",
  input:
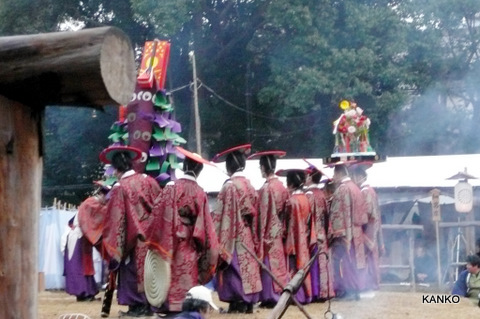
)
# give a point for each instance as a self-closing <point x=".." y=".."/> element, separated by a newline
<point x="195" y="105"/>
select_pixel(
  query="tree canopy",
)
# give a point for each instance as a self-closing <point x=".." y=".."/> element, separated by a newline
<point x="272" y="72"/>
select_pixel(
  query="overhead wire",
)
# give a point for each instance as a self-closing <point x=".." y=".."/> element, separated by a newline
<point x="282" y="119"/>
<point x="179" y="88"/>
<point x="221" y="98"/>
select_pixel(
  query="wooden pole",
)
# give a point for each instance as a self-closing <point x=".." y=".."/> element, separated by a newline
<point x="436" y="217"/>
<point x="411" y="259"/>
<point x="264" y="267"/>
<point x="85" y="68"/>
<point x="198" y="129"/>
<point x="291" y="288"/>
<point x="439" y="269"/>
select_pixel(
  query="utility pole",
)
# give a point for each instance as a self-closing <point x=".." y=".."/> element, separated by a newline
<point x="195" y="105"/>
<point x="248" y="97"/>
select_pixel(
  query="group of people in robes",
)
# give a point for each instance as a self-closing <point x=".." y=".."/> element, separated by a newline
<point x="138" y="216"/>
<point x="251" y="244"/>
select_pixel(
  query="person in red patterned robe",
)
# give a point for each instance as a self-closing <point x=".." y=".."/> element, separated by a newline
<point x="91" y="214"/>
<point x="191" y="245"/>
<point x="372" y="232"/>
<point x="129" y="216"/>
<point x="321" y="271"/>
<point x="300" y="234"/>
<point x="272" y="199"/>
<point x="235" y="219"/>
<point x="347" y="216"/>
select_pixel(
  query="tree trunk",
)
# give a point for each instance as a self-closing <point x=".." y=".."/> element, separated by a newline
<point x="20" y="189"/>
<point x="92" y="67"/>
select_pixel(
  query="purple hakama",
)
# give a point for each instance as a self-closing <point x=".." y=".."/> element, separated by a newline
<point x="315" y="274"/>
<point x="76" y="282"/>
<point x="301" y="295"/>
<point x="321" y="270"/>
<point x="229" y="284"/>
<point x="268" y="294"/>
<point x="127" y="291"/>
<point x="345" y="276"/>
<point x="373" y="238"/>
<point x="347" y="216"/>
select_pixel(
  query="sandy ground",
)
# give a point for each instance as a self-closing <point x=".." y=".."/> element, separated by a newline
<point x="384" y="305"/>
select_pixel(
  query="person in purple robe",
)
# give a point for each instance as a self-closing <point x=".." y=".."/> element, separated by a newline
<point x="186" y="232"/>
<point x="345" y="234"/>
<point x="272" y="198"/>
<point x="128" y="219"/>
<point x="321" y="271"/>
<point x="300" y="233"/>
<point x="235" y="218"/>
<point x="372" y="231"/>
<point x="78" y="264"/>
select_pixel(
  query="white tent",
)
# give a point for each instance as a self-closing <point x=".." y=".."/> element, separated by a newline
<point x="395" y="172"/>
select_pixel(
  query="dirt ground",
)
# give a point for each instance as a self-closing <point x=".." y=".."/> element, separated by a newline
<point x="384" y="305"/>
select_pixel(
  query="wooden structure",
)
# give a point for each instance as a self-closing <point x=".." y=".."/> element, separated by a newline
<point x="451" y="271"/>
<point x="410" y="229"/>
<point x="92" y="67"/>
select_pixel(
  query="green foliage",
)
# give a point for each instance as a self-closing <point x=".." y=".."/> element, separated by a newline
<point x="326" y="51"/>
<point x="73" y="140"/>
<point x="27" y="16"/>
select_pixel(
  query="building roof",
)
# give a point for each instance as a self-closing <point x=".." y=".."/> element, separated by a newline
<point x="395" y="172"/>
<point x="398" y="179"/>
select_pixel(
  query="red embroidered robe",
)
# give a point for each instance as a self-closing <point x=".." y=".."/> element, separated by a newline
<point x="235" y="221"/>
<point x="129" y="216"/>
<point x="319" y="212"/>
<point x="298" y="234"/>
<point x="373" y="232"/>
<point x="272" y="199"/>
<point x="186" y="235"/>
<point x="347" y="216"/>
<point x="91" y="215"/>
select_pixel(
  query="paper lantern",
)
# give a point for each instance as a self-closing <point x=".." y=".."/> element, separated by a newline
<point x="463" y="197"/>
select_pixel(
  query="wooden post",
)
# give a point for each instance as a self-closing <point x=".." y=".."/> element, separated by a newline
<point x="411" y="259"/>
<point x="20" y="191"/>
<point x="436" y="217"/>
<point x="86" y="68"/>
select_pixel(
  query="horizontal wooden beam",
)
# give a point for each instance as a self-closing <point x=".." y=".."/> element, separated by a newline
<point x="468" y="223"/>
<point x="402" y="227"/>
<point x="92" y="67"/>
